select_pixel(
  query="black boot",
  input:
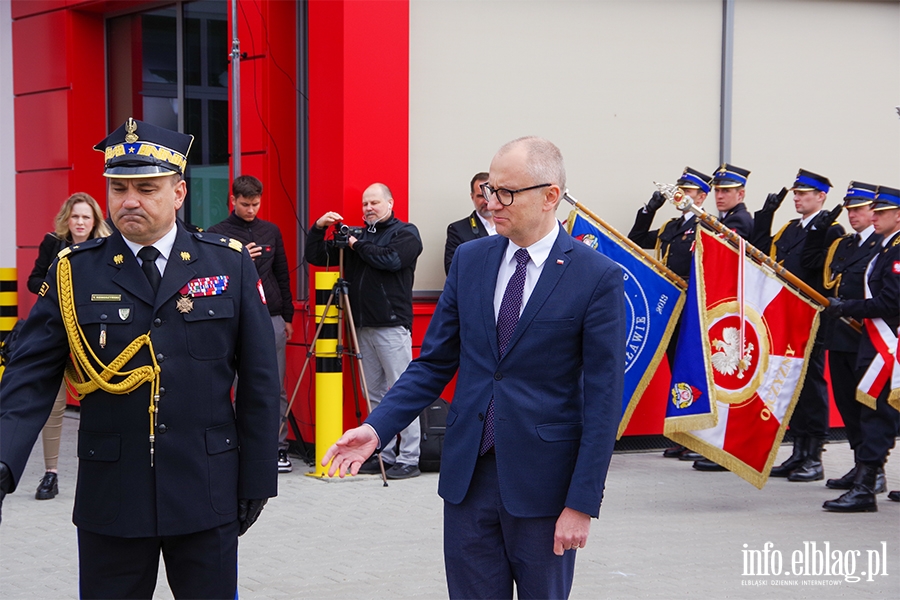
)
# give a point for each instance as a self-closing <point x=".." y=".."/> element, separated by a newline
<point x="894" y="495"/>
<point x="811" y="469"/>
<point x="704" y="464"/>
<point x="795" y="460"/>
<point x="880" y="482"/>
<point x="675" y="451"/>
<point x="845" y="482"/>
<point x="861" y="497"/>
<point x="48" y="488"/>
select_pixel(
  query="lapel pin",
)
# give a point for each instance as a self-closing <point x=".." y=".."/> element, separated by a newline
<point x="559" y="261"/>
<point x="185" y="256"/>
<point x="118" y="259"/>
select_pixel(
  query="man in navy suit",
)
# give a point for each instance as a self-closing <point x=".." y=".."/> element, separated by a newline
<point x="535" y="324"/>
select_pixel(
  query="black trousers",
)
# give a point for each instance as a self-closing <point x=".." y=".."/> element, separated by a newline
<point x="810" y="418"/>
<point x="879" y="429"/>
<point x="198" y="565"/>
<point x="844" y="379"/>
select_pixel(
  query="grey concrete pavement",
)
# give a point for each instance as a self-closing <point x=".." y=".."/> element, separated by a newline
<point x="665" y="531"/>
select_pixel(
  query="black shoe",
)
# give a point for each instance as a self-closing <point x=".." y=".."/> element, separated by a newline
<point x="704" y="464"/>
<point x="399" y="471"/>
<point x="371" y="467"/>
<point x="795" y="460"/>
<point x="880" y="482"/>
<point x="690" y="455"/>
<point x="675" y="451"/>
<point x="894" y="495"/>
<point x="845" y="482"/>
<point x="48" y="488"/>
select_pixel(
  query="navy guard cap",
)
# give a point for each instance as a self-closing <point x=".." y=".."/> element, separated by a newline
<point x="729" y="176"/>
<point x="139" y="149"/>
<point x="807" y="181"/>
<point x="693" y="179"/>
<point x="859" y="194"/>
<point x="886" y="198"/>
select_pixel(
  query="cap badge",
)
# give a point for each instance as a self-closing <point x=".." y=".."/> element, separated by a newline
<point x="130" y="128"/>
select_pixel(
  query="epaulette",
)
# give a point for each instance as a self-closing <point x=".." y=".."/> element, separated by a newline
<point x="219" y="240"/>
<point x="93" y="243"/>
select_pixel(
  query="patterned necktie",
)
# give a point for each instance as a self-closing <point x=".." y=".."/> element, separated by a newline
<point x="148" y="256"/>
<point x="507" y="318"/>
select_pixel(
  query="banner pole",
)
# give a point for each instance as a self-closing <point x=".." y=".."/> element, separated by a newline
<point x="681" y="283"/>
<point x="683" y="202"/>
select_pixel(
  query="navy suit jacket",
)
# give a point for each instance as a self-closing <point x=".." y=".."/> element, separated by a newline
<point x="557" y="391"/>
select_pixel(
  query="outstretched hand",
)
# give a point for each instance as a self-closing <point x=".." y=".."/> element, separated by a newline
<point x="350" y="451"/>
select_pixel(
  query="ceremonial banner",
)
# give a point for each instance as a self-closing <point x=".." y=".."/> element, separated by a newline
<point x="743" y="360"/>
<point x="884" y="368"/>
<point x="652" y="301"/>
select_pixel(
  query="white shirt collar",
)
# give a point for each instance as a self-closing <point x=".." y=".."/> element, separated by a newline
<point x="163" y="244"/>
<point x="538" y="251"/>
<point x="865" y="233"/>
<point x="489" y="227"/>
<point x="805" y="220"/>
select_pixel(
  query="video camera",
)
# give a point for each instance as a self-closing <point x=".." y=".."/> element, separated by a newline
<point x="342" y="234"/>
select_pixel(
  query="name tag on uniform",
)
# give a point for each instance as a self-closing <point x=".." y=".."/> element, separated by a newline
<point x="106" y="297"/>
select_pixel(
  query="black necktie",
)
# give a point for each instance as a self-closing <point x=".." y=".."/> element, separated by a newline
<point x="148" y="256"/>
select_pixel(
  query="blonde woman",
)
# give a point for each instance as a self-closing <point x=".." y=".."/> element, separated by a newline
<point x="79" y="220"/>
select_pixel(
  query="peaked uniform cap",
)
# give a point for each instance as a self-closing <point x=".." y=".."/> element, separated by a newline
<point x="139" y="149"/>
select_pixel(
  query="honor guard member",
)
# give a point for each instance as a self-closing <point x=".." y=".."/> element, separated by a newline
<point x="729" y="183"/>
<point x="809" y="423"/>
<point x="477" y="225"/>
<point x="158" y="321"/>
<point x="674" y="246"/>
<point x="845" y="263"/>
<point x="880" y="310"/>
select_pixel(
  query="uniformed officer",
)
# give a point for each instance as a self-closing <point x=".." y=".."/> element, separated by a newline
<point x="674" y="245"/>
<point x="880" y="310"/>
<point x="809" y="423"/>
<point x="844" y="277"/>
<point x="730" y="184"/>
<point x="158" y="321"/>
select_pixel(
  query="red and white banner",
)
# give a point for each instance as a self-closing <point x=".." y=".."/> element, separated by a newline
<point x="884" y="367"/>
<point x="758" y="335"/>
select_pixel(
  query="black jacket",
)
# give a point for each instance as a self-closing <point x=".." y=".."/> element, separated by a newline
<point x="739" y="220"/>
<point x="884" y="283"/>
<point x="674" y="240"/>
<point x="50" y="247"/>
<point x="459" y="232"/>
<point x="271" y="265"/>
<point x="209" y="452"/>
<point x="379" y="268"/>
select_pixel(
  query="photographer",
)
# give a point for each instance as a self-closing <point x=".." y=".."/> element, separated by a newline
<point x="379" y="266"/>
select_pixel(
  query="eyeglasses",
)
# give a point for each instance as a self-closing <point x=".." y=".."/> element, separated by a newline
<point x="505" y="196"/>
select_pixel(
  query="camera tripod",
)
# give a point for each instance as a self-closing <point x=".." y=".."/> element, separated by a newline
<point x="340" y="299"/>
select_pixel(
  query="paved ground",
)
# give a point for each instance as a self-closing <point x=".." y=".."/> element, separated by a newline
<point x="666" y="531"/>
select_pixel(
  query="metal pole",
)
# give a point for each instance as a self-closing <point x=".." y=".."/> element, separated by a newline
<point x="727" y="81"/>
<point x="235" y="94"/>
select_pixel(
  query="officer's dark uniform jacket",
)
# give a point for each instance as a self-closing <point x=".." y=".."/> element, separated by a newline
<point x="459" y="232"/>
<point x="884" y="283"/>
<point x="844" y="275"/>
<point x="673" y="242"/>
<point x="208" y="452"/>
<point x="788" y="245"/>
<point x="739" y="220"/>
<point x="380" y="269"/>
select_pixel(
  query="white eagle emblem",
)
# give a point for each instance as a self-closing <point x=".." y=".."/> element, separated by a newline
<point x="728" y="359"/>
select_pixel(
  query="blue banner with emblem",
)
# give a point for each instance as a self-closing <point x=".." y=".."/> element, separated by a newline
<point x="653" y="303"/>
